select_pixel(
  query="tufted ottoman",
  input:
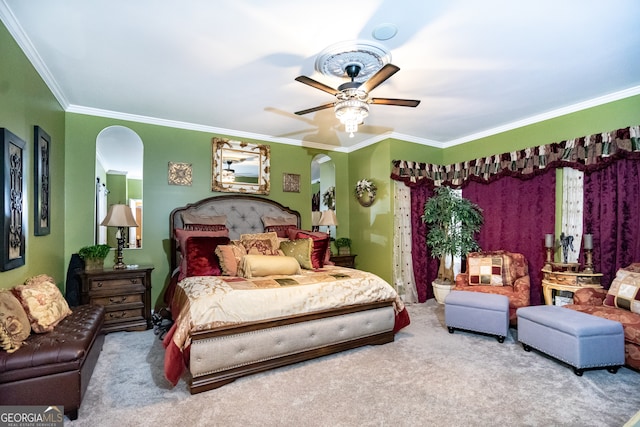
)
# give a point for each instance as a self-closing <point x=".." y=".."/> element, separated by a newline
<point x="478" y="312"/>
<point x="578" y="339"/>
<point x="54" y="368"/>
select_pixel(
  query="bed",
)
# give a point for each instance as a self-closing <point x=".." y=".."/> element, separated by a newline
<point x="262" y="310"/>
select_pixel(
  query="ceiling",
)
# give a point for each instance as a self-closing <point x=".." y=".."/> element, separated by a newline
<point x="229" y="66"/>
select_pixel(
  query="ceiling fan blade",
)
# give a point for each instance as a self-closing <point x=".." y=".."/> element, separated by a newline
<point x="378" y="78"/>
<point x="393" y="101"/>
<point x="316" y="84"/>
<point x="318" y="108"/>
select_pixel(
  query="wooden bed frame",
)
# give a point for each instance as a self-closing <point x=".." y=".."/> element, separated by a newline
<point x="260" y="346"/>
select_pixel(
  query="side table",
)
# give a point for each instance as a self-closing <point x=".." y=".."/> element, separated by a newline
<point x="125" y="295"/>
<point x="558" y="286"/>
<point x="348" y="261"/>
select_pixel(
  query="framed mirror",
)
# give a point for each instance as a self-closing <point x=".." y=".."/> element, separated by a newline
<point x="239" y="167"/>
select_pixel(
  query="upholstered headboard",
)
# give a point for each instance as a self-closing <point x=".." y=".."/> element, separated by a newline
<point x="244" y="215"/>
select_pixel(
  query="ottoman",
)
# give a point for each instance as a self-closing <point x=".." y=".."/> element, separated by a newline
<point x="478" y="312"/>
<point x="578" y="339"/>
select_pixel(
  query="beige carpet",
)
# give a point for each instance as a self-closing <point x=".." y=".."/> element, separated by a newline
<point x="427" y="377"/>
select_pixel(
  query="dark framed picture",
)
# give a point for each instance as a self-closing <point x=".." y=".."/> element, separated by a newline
<point x="12" y="252"/>
<point x="41" y="193"/>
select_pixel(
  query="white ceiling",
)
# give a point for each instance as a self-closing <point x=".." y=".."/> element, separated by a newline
<point x="479" y="67"/>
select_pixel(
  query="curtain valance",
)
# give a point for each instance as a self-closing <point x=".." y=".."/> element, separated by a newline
<point x="588" y="153"/>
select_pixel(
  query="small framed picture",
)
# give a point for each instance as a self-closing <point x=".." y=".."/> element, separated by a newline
<point x="291" y="182"/>
<point x="180" y="173"/>
<point x="41" y="190"/>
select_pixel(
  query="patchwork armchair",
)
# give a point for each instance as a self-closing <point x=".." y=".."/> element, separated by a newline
<point x="498" y="272"/>
<point x="620" y="303"/>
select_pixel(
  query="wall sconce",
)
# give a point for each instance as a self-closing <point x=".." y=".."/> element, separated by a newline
<point x="328" y="218"/>
<point x="119" y="216"/>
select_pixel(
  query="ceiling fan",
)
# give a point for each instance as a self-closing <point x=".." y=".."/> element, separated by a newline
<point x="352" y="104"/>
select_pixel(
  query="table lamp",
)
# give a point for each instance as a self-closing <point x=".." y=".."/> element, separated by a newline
<point x="119" y="216"/>
<point x="328" y="218"/>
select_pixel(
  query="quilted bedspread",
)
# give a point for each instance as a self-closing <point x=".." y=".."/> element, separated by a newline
<point x="209" y="302"/>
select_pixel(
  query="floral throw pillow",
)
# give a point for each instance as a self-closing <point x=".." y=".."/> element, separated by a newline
<point x="43" y="302"/>
<point x="261" y="243"/>
<point x="14" y="323"/>
<point x="624" y="291"/>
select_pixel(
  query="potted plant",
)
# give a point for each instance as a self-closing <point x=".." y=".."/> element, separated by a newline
<point x="452" y="224"/>
<point x="329" y="198"/>
<point x="93" y="256"/>
<point x="344" y="245"/>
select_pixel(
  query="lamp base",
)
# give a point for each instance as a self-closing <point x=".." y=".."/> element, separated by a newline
<point x="119" y="265"/>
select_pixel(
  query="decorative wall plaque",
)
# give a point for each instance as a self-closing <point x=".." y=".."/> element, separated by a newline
<point x="179" y="173"/>
<point x="291" y="182"/>
<point x="12" y="252"/>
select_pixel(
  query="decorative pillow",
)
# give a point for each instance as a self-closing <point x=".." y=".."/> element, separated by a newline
<point x="624" y="291"/>
<point x="321" y="251"/>
<point x="261" y="243"/>
<point x="205" y="227"/>
<point x="266" y="265"/>
<point x="229" y="257"/>
<point x="269" y="221"/>
<point x="43" y="302"/>
<point x="181" y="238"/>
<point x="485" y="270"/>
<point x="200" y="256"/>
<point x="14" y="322"/>
<point x="299" y="249"/>
<point x="280" y="230"/>
<point x="188" y="218"/>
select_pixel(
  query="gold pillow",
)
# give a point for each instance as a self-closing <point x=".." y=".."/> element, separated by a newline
<point x="14" y="323"/>
<point x="43" y="302"/>
<point x="267" y="265"/>
<point x="624" y="291"/>
<point x="300" y="249"/>
<point x="485" y="270"/>
<point x="261" y="243"/>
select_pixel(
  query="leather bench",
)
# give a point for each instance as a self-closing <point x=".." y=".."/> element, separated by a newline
<point x="54" y="368"/>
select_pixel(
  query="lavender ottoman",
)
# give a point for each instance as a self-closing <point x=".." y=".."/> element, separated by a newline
<point x="578" y="339"/>
<point x="478" y="312"/>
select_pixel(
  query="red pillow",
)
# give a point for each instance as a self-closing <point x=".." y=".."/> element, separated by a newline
<point x="181" y="238"/>
<point x="280" y="230"/>
<point x="320" y="246"/>
<point x="200" y="256"/>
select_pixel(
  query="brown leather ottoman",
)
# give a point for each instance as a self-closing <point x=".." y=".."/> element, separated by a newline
<point x="55" y="368"/>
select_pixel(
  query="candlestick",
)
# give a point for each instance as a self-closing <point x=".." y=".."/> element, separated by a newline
<point x="548" y="240"/>
<point x="588" y="241"/>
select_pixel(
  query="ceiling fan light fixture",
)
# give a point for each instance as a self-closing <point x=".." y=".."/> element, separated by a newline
<point x="351" y="113"/>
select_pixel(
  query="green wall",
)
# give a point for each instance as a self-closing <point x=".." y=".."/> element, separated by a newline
<point x="25" y="102"/>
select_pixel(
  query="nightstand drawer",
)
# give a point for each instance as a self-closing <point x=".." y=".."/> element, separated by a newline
<point x="99" y="284"/>
<point x="122" y="315"/>
<point x="119" y="299"/>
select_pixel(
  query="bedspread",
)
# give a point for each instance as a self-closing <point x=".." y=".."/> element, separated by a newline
<point x="210" y="302"/>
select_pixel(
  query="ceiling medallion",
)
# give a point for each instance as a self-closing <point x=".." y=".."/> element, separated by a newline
<point x="369" y="56"/>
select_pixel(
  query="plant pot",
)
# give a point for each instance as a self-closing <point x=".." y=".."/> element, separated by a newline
<point x="441" y="290"/>
<point x="93" y="264"/>
<point x="345" y="250"/>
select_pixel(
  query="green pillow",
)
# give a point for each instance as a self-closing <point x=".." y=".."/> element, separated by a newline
<point x="300" y="249"/>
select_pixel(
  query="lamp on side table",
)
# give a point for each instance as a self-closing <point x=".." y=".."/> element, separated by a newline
<point x="119" y="216"/>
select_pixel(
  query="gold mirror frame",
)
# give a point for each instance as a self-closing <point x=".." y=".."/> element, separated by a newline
<point x="253" y="159"/>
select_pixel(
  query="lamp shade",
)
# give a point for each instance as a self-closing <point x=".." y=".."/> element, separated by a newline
<point x="328" y="217"/>
<point x="315" y="218"/>
<point x="119" y="216"/>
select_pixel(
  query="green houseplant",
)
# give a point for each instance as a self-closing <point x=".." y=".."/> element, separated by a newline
<point x="452" y="224"/>
<point x="93" y="256"/>
<point x="344" y="245"/>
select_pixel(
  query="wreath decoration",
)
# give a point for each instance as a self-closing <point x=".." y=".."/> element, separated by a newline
<point x="365" y="192"/>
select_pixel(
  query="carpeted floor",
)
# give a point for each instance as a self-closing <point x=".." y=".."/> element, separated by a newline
<point x="427" y="377"/>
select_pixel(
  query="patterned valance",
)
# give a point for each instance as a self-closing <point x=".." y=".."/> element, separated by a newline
<point x="587" y="153"/>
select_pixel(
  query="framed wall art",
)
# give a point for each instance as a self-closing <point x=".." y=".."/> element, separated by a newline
<point x="180" y="173"/>
<point x="12" y="252"/>
<point x="41" y="190"/>
<point x="291" y="182"/>
<point x="240" y="167"/>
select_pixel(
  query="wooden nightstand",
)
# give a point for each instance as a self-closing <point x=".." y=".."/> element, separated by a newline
<point x="125" y="295"/>
<point x="344" y="260"/>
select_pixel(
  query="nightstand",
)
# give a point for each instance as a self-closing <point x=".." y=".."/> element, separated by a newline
<point x="125" y="295"/>
<point x="344" y="260"/>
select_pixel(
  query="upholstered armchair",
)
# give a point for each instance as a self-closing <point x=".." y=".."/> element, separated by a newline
<point x="498" y="272"/>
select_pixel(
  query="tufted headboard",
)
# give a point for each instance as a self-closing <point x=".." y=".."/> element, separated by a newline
<point x="244" y="215"/>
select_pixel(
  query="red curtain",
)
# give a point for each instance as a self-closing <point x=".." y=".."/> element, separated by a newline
<point x="611" y="209"/>
<point x="517" y="214"/>
<point x="425" y="268"/>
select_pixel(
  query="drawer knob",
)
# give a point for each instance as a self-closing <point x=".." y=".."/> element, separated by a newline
<point x="99" y="284"/>
<point x="114" y="315"/>
<point x="134" y="280"/>
<point x="118" y="300"/>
